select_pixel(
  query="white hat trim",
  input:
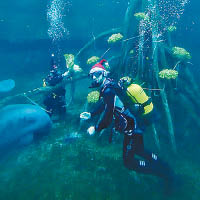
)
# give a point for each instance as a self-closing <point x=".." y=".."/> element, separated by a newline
<point x="96" y="69"/>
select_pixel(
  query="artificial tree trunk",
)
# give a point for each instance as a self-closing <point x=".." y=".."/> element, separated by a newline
<point x="128" y="20"/>
<point x="163" y="95"/>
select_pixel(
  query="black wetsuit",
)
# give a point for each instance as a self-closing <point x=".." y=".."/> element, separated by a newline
<point x="54" y="77"/>
<point x="55" y="100"/>
<point x="125" y="122"/>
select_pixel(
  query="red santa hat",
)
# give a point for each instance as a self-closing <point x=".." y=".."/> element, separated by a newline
<point x="98" y="67"/>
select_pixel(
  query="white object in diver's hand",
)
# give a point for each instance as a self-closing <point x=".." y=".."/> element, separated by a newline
<point x="76" y="68"/>
<point x="65" y="74"/>
<point x="91" y="130"/>
<point x="85" y="115"/>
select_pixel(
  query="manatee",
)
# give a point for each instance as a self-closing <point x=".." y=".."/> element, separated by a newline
<point x="6" y="85"/>
<point x="21" y="124"/>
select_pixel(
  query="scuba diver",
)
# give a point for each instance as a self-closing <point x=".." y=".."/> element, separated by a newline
<point x="55" y="100"/>
<point x="113" y="108"/>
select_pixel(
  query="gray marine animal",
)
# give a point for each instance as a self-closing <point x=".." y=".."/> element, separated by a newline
<point x="6" y="85"/>
<point x="21" y="124"/>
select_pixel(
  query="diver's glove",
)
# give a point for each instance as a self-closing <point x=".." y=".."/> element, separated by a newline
<point x="66" y="74"/>
<point x="85" y="115"/>
<point x="91" y="130"/>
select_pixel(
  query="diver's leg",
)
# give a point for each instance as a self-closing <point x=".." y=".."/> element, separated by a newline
<point x="61" y="108"/>
<point x="48" y="105"/>
<point x="150" y="164"/>
<point x="129" y="149"/>
<point x="153" y="164"/>
<point x="140" y="151"/>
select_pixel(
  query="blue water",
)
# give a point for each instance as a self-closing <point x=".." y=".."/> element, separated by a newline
<point x="64" y="167"/>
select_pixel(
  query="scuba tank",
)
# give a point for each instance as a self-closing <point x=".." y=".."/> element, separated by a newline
<point x="136" y="94"/>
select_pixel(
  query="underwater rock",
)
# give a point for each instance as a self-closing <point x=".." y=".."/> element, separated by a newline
<point x="6" y="85"/>
<point x="20" y="124"/>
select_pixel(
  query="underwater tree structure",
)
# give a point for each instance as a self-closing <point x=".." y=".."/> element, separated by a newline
<point x="154" y="52"/>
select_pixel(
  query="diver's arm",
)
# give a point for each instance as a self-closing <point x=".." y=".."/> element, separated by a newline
<point x="98" y="110"/>
<point x="106" y="120"/>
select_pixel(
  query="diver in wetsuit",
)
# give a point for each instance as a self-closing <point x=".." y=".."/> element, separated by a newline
<point x="126" y="123"/>
<point x="55" y="100"/>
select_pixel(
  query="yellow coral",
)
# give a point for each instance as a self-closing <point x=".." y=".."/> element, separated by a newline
<point x="69" y="60"/>
<point x="141" y="16"/>
<point x="92" y="60"/>
<point x="168" y="74"/>
<point x="131" y="51"/>
<point x="93" y="97"/>
<point x="115" y="37"/>
<point x="171" y="28"/>
<point x="181" y="53"/>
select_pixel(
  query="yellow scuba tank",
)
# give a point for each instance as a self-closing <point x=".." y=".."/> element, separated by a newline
<point x="137" y="95"/>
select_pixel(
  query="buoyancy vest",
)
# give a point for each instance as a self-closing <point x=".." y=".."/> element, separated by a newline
<point x="132" y="94"/>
